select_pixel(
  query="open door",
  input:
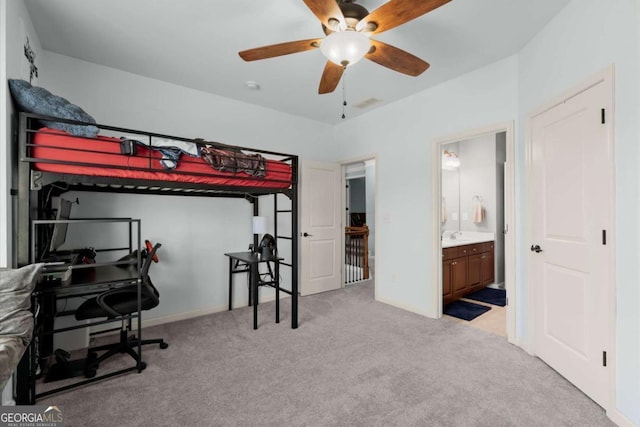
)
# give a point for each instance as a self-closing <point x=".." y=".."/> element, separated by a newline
<point x="320" y="228"/>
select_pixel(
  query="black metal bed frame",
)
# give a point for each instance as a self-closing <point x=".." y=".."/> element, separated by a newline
<point x="29" y="184"/>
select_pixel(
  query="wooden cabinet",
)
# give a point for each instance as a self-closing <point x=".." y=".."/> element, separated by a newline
<point x="487" y="268"/>
<point x="459" y="277"/>
<point x="475" y="273"/>
<point x="447" y="288"/>
<point x="466" y="269"/>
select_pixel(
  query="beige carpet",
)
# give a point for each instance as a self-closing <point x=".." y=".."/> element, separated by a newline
<point x="352" y="362"/>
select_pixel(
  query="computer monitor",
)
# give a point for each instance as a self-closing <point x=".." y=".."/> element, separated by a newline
<point x="59" y="233"/>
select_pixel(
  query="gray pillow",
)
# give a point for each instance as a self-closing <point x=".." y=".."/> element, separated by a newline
<point x="15" y="301"/>
<point x="38" y="100"/>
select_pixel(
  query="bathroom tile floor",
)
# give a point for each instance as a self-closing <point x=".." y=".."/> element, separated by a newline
<point x="494" y="320"/>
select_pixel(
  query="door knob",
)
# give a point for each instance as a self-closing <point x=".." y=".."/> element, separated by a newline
<point x="536" y="249"/>
<point x="305" y="234"/>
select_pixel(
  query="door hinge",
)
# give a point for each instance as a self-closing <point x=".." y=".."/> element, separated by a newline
<point x="602" y="116"/>
<point x="604" y="237"/>
<point x="604" y="358"/>
<point x="13" y="192"/>
<point x="507" y="301"/>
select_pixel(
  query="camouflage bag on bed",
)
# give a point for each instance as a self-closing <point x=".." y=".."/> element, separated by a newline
<point x="230" y="159"/>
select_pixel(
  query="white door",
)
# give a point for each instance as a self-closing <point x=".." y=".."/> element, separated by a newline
<point x="572" y="198"/>
<point x="321" y="229"/>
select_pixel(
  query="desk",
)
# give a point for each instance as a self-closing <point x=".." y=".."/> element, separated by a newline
<point x="76" y="280"/>
<point x="252" y="260"/>
<point x="87" y="279"/>
<point x="84" y="280"/>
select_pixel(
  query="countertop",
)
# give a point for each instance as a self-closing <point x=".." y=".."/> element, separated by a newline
<point x="466" y="238"/>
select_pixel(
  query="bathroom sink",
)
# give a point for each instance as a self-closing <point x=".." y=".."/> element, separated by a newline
<point x="467" y="238"/>
<point x="460" y="238"/>
<point x="446" y="243"/>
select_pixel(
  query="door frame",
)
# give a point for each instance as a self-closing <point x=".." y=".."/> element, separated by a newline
<point x="608" y="77"/>
<point x="509" y="219"/>
<point x="344" y="164"/>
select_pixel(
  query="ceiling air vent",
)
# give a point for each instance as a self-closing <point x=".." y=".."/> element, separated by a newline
<point x="367" y="103"/>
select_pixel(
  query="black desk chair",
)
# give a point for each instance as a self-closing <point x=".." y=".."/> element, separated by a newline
<point x="116" y="303"/>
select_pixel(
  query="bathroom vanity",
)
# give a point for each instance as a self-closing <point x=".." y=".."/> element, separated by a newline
<point x="467" y="266"/>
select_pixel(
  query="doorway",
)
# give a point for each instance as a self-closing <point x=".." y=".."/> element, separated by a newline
<point x="474" y="217"/>
<point x="359" y="184"/>
<point x="472" y="231"/>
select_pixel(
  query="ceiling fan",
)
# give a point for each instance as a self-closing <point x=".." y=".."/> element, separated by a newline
<point x="348" y="27"/>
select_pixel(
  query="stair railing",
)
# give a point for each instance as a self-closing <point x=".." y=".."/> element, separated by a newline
<point x="356" y="253"/>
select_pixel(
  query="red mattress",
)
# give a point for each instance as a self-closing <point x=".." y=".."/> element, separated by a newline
<point x="97" y="155"/>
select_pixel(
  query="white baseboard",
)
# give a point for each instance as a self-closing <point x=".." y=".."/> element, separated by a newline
<point x="192" y="314"/>
<point x="359" y="282"/>
<point x="622" y="421"/>
<point x="406" y="307"/>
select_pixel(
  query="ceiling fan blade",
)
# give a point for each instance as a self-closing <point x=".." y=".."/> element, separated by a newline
<point x="330" y="77"/>
<point x="398" y="12"/>
<point x="280" y="49"/>
<point x="325" y="10"/>
<point x="396" y="59"/>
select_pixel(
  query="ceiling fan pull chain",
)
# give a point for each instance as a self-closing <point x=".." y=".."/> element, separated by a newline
<point x="344" y="92"/>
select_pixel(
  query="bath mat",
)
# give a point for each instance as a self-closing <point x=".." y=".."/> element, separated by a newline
<point x="465" y="310"/>
<point x="490" y="296"/>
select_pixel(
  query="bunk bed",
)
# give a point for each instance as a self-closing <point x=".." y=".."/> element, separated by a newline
<point x="59" y="162"/>
<point x="51" y="162"/>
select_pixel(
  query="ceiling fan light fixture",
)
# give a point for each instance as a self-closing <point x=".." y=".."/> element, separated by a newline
<point x="345" y="47"/>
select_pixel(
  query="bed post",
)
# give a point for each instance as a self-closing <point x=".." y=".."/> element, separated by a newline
<point x="25" y="384"/>
<point x="23" y="212"/>
<point x="294" y="244"/>
<point x="256" y="212"/>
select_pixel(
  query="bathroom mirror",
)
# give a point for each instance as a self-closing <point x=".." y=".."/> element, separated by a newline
<point x="473" y="179"/>
<point x="450" y="190"/>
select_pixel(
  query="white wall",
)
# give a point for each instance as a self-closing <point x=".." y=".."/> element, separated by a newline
<point x="15" y="27"/>
<point x="478" y="178"/>
<point x="195" y="231"/>
<point x="123" y="99"/>
<point x="584" y="38"/>
<point x="401" y="134"/>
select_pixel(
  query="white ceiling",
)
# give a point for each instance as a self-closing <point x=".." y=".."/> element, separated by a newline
<point x="195" y="43"/>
